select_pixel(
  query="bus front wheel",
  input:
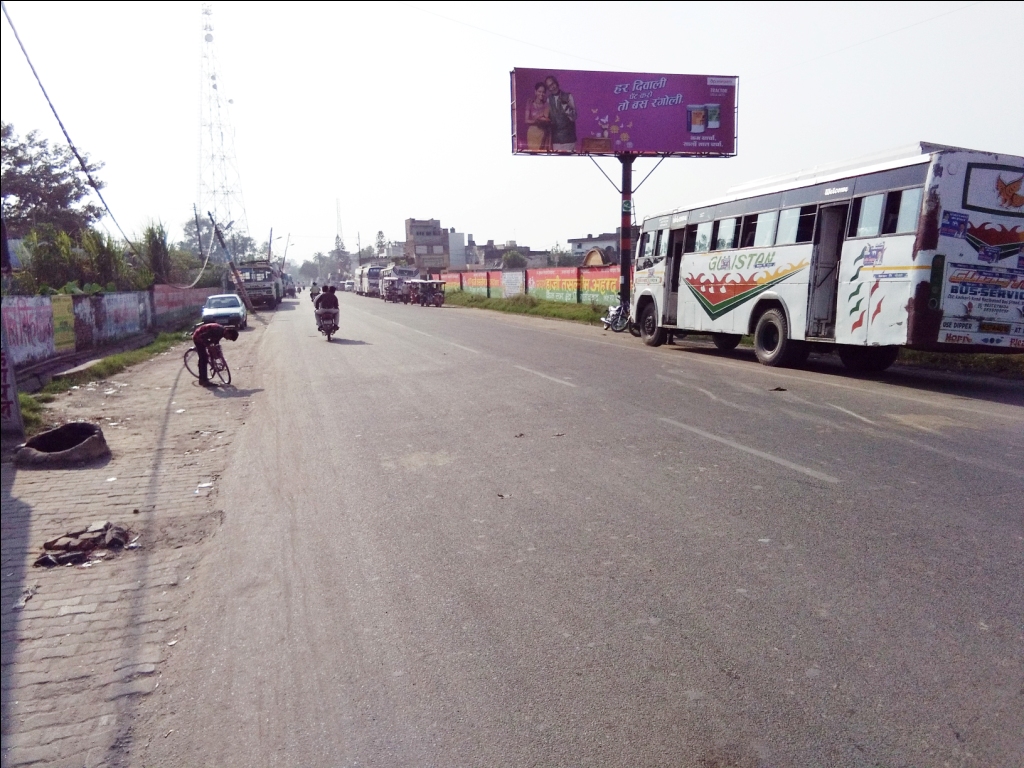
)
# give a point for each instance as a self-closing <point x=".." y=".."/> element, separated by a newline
<point x="772" y="344"/>
<point x="652" y="335"/>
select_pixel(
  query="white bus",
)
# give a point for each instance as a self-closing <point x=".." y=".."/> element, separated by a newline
<point x="923" y="250"/>
<point x="368" y="280"/>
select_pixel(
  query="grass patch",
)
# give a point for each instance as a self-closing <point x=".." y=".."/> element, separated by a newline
<point x="1005" y="366"/>
<point x="524" y="304"/>
<point x="112" y="365"/>
<point x="31" y="413"/>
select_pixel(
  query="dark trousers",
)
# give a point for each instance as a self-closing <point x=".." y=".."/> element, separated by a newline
<point x="204" y="361"/>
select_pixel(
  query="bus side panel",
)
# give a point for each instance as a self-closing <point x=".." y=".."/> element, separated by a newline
<point x="719" y="290"/>
<point x="980" y="220"/>
<point x="876" y="279"/>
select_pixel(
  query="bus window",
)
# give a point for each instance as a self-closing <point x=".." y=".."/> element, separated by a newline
<point x="661" y="250"/>
<point x="759" y="230"/>
<point x="690" y="239"/>
<point x="725" y="234"/>
<point x="645" y="259"/>
<point x="703" y="238"/>
<point x="910" y="209"/>
<point x="866" y="216"/>
<point x="796" y="225"/>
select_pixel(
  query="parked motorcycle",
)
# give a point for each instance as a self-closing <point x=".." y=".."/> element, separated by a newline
<point x="617" y="318"/>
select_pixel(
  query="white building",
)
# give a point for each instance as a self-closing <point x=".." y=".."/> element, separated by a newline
<point x="456" y="249"/>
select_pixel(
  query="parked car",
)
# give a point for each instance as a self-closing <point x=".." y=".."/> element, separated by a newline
<point x="350" y="286"/>
<point x="226" y="309"/>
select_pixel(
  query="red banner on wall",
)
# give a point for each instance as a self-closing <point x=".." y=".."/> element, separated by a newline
<point x="452" y="281"/>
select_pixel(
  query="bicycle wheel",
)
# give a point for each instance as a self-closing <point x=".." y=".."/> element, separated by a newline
<point x="220" y="367"/>
<point x="192" y="361"/>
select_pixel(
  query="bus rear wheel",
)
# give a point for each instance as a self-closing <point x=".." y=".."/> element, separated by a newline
<point x="867" y="359"/>
<point x="652" y="335"/>
<point x="772" y="344"/>
<point x="726" y="342"/>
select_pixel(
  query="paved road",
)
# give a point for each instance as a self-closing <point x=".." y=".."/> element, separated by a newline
<point x="460" y="538"/>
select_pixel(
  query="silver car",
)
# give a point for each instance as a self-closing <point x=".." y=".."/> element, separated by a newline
<point x="226" y="309"/>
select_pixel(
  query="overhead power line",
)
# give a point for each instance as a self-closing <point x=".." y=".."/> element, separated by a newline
<point x="74" y="149"/>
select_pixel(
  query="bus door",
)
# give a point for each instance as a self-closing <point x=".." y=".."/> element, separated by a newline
<point x="824" y="273"/>
<point x="675" y="258"/>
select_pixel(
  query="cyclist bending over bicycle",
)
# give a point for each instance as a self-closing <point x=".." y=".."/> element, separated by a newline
<point x="203" y="337"/>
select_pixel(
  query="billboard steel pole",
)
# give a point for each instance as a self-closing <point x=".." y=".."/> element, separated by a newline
<point x="626" y="228"/>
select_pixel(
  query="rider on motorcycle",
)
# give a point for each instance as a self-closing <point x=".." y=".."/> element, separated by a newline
<point x="314" y="289"/>
<point x="326" y="305"/>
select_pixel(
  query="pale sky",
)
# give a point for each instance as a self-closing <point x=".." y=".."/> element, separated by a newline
<point x="401" y="110"/>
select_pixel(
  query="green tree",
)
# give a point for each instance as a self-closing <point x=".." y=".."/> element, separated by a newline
<point x="563" y="257"/>
<point x="43" y="185"/>
<point x="309" y="270"/>
<point x="513" y="260"/>
<point x="157" y="253"/>
<point x="381" y="243"/>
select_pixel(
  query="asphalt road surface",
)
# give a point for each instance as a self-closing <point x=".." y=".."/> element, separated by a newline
<point x="457" y="538"/>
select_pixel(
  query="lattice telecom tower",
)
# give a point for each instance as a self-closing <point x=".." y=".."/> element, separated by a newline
<point x="220" y="187"/>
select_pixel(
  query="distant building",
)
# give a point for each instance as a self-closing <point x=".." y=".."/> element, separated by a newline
<point x="457" y="249"/>
<point x="607" y="243"/>
<point x="426" y="245"/>
<point x="394" y="251"/>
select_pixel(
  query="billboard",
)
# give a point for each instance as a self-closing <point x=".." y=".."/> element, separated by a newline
<point x="560" y="111"/>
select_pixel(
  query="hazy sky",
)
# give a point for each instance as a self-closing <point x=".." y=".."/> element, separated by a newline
<point x="402" y="109"/>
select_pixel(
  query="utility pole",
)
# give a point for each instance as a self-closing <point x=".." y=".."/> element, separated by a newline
<point x="626" y="227"/>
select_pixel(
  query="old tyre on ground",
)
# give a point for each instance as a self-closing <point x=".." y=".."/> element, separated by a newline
<point x="652" y="335"/>
<point x="76" y="443"/>
<point x="726" y="341"/>
<point x="867" y="359"/>
<point x="772" y="344"/>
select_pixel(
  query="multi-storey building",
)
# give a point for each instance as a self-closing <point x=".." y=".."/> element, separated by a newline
<point x="426" y="245"/>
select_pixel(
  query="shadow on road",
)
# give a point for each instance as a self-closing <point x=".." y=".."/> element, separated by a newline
<point x="973" y="386"/>
<point x="14" y="542"/>
<point x="230" y="391"/>
<point x="350" y="342"/>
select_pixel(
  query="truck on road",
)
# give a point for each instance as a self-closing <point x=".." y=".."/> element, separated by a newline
<point x="262" y="281"/>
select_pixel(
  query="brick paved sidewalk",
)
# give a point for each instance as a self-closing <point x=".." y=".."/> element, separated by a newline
<point x="90" y="641"/>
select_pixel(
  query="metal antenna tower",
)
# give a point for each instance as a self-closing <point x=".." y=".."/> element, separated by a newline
<point x="220" y="188"/>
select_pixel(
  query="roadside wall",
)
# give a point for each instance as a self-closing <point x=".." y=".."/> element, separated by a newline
<point x="40" y="327"/>
<point x="599" y="285"/>
<point x="28" y="321"/>
<point x="453" y="280"/>
<point x="573" y="285"/>
<point x="475" y="282"/>
<point x="172" y="306"/>
<point x="513" y="283"/>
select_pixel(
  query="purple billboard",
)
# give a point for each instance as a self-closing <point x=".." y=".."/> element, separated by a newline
<point x="562" y="111"/>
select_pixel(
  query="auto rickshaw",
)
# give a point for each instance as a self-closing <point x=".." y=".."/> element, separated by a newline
<point x="390" y="290"/>
<point x="431" y="293"/>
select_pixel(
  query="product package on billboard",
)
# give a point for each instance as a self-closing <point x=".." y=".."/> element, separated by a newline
<point x="558" y="111"/>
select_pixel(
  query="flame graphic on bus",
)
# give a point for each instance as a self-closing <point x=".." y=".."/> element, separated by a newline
<point x="719" y="294"/>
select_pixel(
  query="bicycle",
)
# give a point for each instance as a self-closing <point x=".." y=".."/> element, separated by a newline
<point x="218" y="365"/>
